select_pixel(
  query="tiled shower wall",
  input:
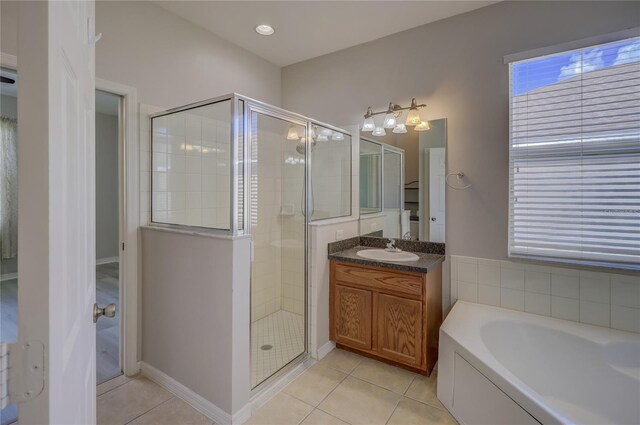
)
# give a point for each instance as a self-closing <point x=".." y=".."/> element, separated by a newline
<point x="293" y="234"/>
<point x="266" y="228"/>
<point x="603" y="299"/>
<point x="191" y="177"/>
<point x="190" y="170"/>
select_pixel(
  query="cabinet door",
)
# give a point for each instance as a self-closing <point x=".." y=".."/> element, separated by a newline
<point x="399" y="329"/>
<point x="352" y="317"/>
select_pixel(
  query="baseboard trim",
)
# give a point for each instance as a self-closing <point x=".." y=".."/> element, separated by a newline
<point x="107" y="260"/>
<point x="326" y="349"/>
<point x="198" y="402"/>
<point x="8" y="276"/>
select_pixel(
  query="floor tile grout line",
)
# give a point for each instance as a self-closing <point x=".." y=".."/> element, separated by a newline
<point x="325" y="397"/>
<point x="376" y="385"/>
<point x="324" y="411"/>
<point x="153" y="408"/>
<point x="117" y="386"/>
<point x="394" y="409"/>
<point x="410" y="384"/>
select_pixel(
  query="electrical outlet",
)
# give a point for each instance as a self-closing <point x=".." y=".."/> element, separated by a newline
<point x="339" y="234"/>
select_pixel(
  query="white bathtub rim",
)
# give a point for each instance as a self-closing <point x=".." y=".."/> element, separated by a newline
<point x="512" y="386"/>
<point x="465" y="335"/>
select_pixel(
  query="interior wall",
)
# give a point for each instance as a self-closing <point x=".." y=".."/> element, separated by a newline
<point x="173" y="62"/>
<point x="107" y="200"/>
<point x="187" y="278"/>
<point x="456" y="67"/>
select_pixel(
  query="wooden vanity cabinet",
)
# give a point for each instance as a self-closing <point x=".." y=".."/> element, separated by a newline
<point x="390" y="315"/>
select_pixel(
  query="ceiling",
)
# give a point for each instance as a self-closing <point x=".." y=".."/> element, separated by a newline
<point x="307" y="29"/>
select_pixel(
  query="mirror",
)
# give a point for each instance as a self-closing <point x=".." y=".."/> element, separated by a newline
<point x="411" y="181"/>
<point x="381" y="197"/>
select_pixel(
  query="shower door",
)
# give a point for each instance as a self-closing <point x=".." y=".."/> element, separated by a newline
<point x="277" y="222"/>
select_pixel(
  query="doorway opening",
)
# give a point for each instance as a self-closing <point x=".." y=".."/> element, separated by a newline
<point x="8" y="218"/>
<point x="108" y="181"/>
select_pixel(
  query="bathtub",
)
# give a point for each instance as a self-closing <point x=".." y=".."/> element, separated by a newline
<point x="500" y="366"/>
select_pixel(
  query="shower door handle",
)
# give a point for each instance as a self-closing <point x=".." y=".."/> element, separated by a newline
<point x="107" y="311"/>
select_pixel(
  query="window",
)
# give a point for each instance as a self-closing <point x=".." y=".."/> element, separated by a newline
<point x="575" y="156"/>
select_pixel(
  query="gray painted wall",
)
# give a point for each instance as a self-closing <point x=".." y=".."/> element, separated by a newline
<point x="195" y="313"/>
<point x="173" y="62"/>
<point x="455" y="66"/>
<point x="107" y="236"/>
<point x="169" y="60"/>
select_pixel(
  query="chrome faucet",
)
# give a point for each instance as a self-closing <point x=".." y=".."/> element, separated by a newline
<point x="391" y="246"/>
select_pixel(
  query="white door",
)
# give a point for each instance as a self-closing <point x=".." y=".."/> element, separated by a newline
<point x="436" y="194"/>
<point x="56" y="205"/>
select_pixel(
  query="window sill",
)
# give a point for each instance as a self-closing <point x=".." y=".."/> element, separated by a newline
<point x="588" y="265"/>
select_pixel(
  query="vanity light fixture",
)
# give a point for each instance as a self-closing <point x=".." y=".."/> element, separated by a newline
<point x="379" y="131"/>
<point x="368" y="124"/>
<point x="391" y="116"/>
<point x="265" y="29"/>
<point x="423" y="126"/>
<point x="413" y="117"/>
<point x="400" y="128"/>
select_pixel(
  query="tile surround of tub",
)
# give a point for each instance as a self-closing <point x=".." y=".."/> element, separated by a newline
<point x="596" y="298"/>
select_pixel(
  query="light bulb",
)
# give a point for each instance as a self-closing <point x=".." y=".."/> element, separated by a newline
<point x="322" y="138"/>
<point x="389" y="121"/>
<point x="400" y="128"/>
<point x="379" y="131"/>
<point x="423" y="126"/>
<point x="326" y="132"/>
<point x="368" y="125"/>
<point x="293" y="134"/>
<point x="337" y="136"/>
<point x="413" y="118"/>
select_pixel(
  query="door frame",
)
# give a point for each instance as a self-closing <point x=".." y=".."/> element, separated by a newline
<point x="129" y="221"/>
<point x="129" y="172"/>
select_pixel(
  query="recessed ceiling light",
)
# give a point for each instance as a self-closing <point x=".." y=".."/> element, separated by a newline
<point x="265" y="30"/>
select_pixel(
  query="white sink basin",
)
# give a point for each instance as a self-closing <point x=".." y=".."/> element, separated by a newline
<point x="383" y="255"/>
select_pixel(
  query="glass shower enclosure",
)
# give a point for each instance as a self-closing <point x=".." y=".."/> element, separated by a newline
<point x="236" y="166"/>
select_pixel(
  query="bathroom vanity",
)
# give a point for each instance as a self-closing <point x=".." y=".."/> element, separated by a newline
<point x="384" y="309"/>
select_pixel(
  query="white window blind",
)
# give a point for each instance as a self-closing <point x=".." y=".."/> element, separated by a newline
<point x="575" y="156"/>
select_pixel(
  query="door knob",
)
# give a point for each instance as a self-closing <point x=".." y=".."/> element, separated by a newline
<point x="108" y="311"/>
<point x="433" y="219"/>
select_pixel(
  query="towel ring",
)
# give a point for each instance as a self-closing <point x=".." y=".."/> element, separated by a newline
<point x="459" y="175"/>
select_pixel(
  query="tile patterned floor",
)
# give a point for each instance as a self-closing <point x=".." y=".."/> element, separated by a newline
<point x="344" y="388"/>
<point x="139" y="401"/>
<point x="284" y="332"/>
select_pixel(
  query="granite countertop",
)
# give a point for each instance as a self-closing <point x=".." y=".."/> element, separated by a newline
<point x="426" y="263"/>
